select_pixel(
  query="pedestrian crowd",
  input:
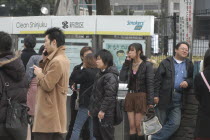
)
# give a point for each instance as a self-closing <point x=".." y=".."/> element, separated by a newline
<point x="34" y="86"/>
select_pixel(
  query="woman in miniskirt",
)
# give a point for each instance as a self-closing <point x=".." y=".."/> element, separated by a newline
<point x="139" y="74"/>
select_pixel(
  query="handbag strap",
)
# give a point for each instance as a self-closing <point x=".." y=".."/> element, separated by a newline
<point x="206" y="82"/>
<point x="83" y="93"/>
<point x="5" y="86"/>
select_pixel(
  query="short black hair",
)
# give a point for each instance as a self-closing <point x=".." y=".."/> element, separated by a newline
<point x="41" y="49"/>
<point x="57" y="34"/>
<point x="180" y="43"/>
<point x="30" y="41"/>
<point x="5" y="42"/>
<point x="106" y="57"/>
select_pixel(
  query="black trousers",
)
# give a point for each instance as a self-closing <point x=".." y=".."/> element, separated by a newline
<point x="102" y="131"/>
<point x="85" y="130"/>
<point x="48" y="136"/>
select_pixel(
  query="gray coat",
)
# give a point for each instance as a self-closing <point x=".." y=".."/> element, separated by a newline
<point x="34" y="60"/>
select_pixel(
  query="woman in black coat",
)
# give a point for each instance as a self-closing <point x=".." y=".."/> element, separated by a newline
<point x="85" y="77"/>
<point x="203" y="96"/>
<point x="12" y="73"/>
<point x="139" y="74"/>
<point x="103" y="99"/>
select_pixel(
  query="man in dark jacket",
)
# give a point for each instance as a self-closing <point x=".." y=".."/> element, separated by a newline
<point x="28" y="51"/>
<point x="174" y="75"/>
<point x="12" y="72"/>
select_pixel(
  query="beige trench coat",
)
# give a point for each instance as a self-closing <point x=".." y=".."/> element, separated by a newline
<point x="50" y="109"/>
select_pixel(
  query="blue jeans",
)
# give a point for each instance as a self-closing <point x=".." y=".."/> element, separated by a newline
<point x="82" y="116"/>
<point x="170" y="118"/>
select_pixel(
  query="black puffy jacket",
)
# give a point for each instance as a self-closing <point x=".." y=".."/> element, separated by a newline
<point x="104" y="94"/>
<point x="144" y="80"/>
<point x="12" y="70"/>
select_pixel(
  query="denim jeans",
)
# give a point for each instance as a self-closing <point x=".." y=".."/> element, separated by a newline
<point x="82" y="116"/>
<point x="170" y="118"/>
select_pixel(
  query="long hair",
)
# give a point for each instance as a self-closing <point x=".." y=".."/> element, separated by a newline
<point x="207" y="59"/>
<point x="90" y="61"/>
<point x="138" y="47"/>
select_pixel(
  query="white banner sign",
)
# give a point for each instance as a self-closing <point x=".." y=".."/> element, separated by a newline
<point x="75" y="24"/>
<point x="186" y="20"/>
<point x="125" y="25"/>
<point x="6" y="25"/>
<point x="101" y="25"/>
<point x="31" y="25"/>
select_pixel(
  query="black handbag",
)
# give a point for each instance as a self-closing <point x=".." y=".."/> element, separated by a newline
<point x="16" y="116"/>
<point x="118" y="116"/>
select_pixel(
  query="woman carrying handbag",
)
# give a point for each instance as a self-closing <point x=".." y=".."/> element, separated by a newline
<point x="139" y="74"/>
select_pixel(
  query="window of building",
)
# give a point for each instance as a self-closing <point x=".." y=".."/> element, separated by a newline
<point x="176" y="6"/>
<point x="150" y="7"/>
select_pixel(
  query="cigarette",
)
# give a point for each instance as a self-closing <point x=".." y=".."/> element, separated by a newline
<point x="31" y="67"/>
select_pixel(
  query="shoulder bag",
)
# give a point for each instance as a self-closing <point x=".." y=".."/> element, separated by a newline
<point x="16" y="115"/>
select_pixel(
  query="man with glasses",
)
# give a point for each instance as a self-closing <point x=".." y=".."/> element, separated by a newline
<point x="174" y="75"/>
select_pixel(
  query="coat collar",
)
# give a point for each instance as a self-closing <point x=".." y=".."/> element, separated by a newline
<point x="8" y="57"/>
<point x="60" y="50"/>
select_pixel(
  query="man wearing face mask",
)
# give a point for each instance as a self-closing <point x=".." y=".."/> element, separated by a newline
<point x="50" y="109"/>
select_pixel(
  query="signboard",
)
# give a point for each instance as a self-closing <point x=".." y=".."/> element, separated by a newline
<point x="73" y="47"/>
<point x="186" y="20"/>
<point x="101" y="25"/>
<point x="6" y="25"/>
<point x="125" y="25"/>
<point x="119" y="49"/>
<point x="31" y="25"/>
<point x="75" y="24"/>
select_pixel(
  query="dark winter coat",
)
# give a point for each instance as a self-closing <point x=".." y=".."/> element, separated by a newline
<point x="85" y="78"/>
<point x="104" y="94"/>
<point x="165" y="78"/>
<point x="13" y="72"/>
<point x="144" y="79"/>
<point x="203" y="97"/>
<point x="26" y="55"/>
<point x="71" y="82"/>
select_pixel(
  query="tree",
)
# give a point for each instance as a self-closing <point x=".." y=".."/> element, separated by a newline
<point x="124" y="12"/>
<point x="26" y="7"/>
<point x="103" y="7"/>
<point x="152" y="13"/>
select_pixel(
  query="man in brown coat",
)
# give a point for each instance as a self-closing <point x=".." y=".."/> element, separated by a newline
<point x="50" y="109"/>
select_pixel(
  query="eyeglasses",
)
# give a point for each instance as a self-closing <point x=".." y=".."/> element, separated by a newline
<point x="183" y="49"/>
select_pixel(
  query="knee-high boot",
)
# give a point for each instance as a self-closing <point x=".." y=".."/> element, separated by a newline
<point x="133" y="137"/>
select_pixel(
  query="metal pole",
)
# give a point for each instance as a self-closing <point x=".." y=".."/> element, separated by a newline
<point x="174" y="38"/>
